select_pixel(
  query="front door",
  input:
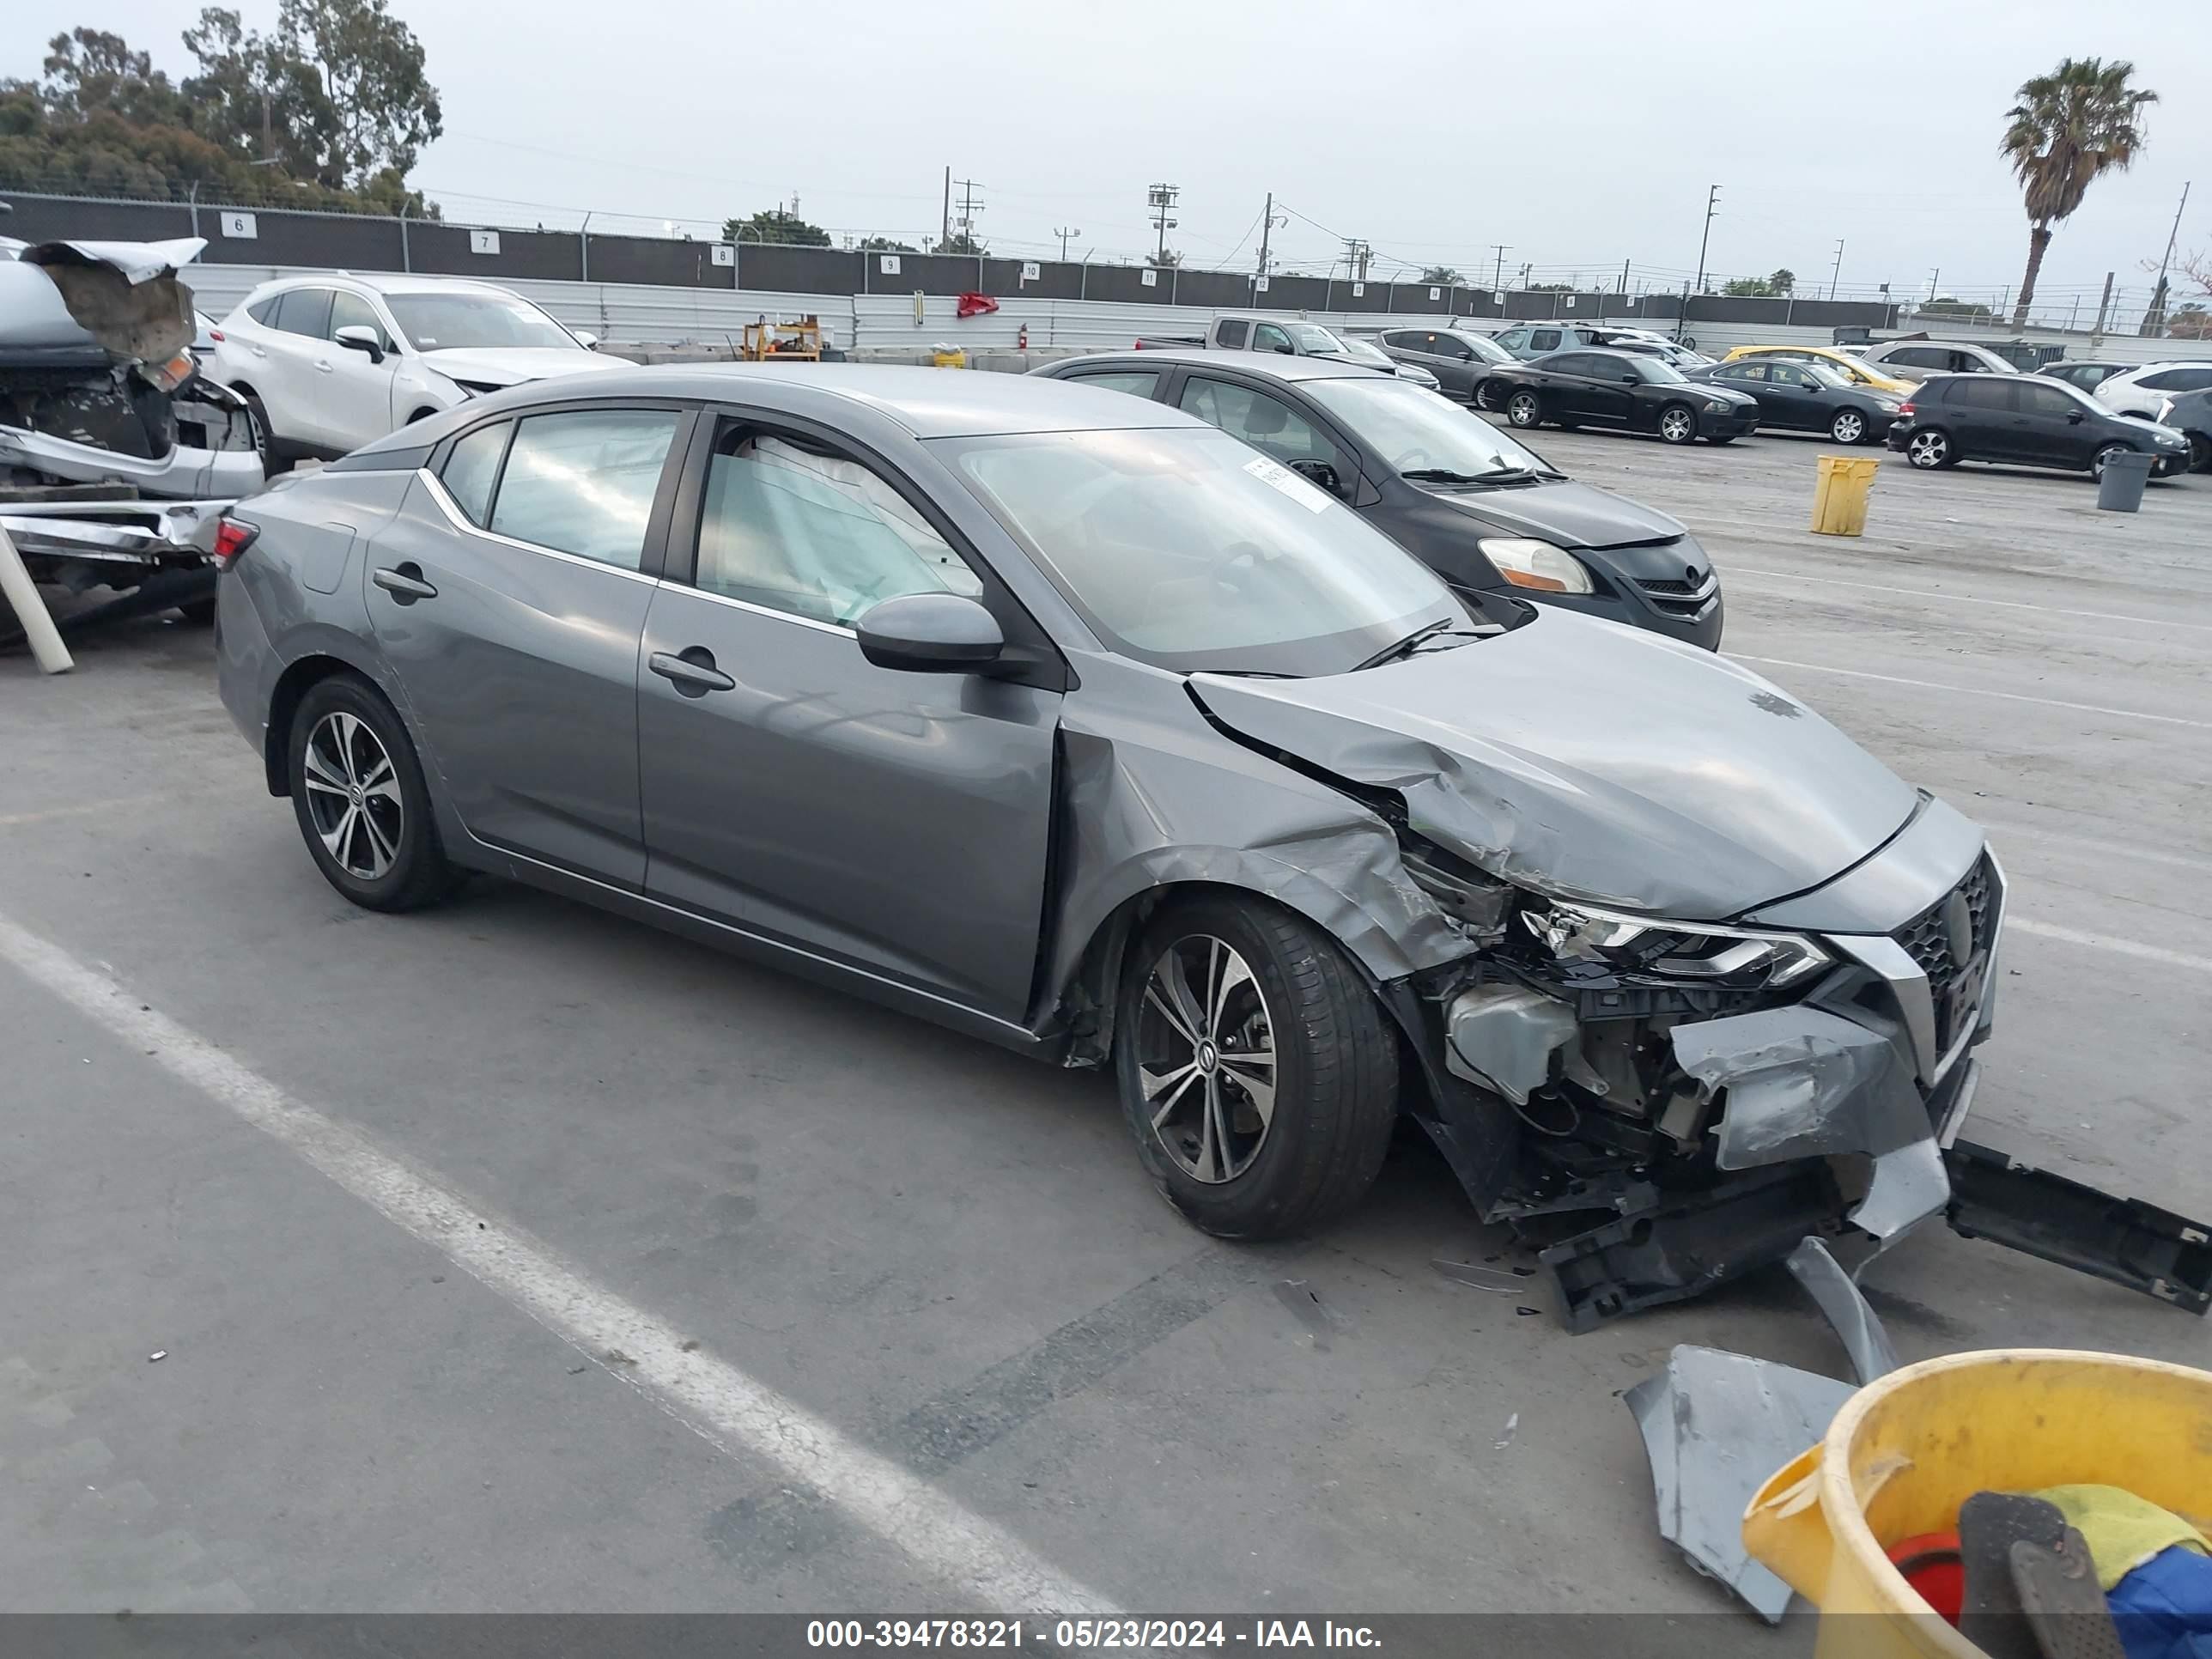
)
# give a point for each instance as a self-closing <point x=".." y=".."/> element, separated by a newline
<point x="1790" y="397"/>
<point x="355" y="392"/>
<point x="2052" y="426"/>
<point x="895" y="822"/>
<point x="508" y="597"/>
<point x="1273" y="427"/>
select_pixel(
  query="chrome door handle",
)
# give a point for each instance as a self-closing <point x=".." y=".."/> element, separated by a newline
<point x="404" y="583"/>
<point x="693" y="673"/>
<point x="323" y="368"/>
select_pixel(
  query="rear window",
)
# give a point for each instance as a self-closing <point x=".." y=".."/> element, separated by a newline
<point x="583" y="482"/>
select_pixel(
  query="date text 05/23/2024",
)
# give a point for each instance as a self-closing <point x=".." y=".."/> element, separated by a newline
<point x="1120" y="1632"/>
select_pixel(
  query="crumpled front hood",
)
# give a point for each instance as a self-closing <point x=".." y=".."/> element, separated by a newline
<point x="1592" y="760"/>
<point x="1571" y="514"/>
<point x="514" y="365"/>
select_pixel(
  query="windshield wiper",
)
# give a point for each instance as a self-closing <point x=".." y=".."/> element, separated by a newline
<point x="1404" y="647"/>
<point x="1445" y="474"/>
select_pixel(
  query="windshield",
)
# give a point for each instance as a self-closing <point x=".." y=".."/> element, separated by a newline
<point x="1657" y="372"/>
<point x="1416" y="432"/>
<point x="1834" y="378"/>
<point x="437" y="322"/>
<point x="1367" y="353"/>
<point x="1184" y="548"/>
<point x="1312" y="338"/>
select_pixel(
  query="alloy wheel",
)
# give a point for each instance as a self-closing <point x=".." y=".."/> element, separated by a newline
<point x="1675" y="426"/>
<point x="1927" y="449"/>
<point x="1848" y="428"/>
<point x="1207" y="1063"/>
<point x="353" y="796"/>
<point x="1523" y="408"/>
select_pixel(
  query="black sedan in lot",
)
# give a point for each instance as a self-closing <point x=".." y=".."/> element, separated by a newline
<point x="1488" y="515"/>
<point x="2026" y="420"/>
<point x="1618" y="389"/>
<point x="1807" y="397"/>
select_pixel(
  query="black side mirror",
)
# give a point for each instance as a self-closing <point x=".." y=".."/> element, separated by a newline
<point x="1321" y="473"/>
<point x="358" y="337"/>
<point x="931" y="634"/>
<point x="1630" y="380"/>
<point x="1288" y="350"/>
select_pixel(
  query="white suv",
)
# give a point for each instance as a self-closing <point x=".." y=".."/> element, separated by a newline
<point x="2144" y="391"/>
<point x="332" y="361"/>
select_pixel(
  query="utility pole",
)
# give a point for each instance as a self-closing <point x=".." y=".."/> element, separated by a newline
<point x="1839" y="271"/>
<point x="1624" y="275"/>
<point x="1160" y="198"/>
<point x="1498" y="272"/>
<point x="1357" y="253"/>
<point x="2097" y="334"/>
<point x="1712" y="206"/>
<point x="969" y="209"/>
<point x="1266" y="224"/>
<point x="1066" y="237"/>
<point x="944" y="231"/>
<point x="2155" y="318"/>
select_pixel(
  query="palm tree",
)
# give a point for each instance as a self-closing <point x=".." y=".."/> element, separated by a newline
<point x="2069" y="126"/>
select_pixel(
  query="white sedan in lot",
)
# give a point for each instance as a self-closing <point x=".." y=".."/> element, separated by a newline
<point x="330" y="362"/>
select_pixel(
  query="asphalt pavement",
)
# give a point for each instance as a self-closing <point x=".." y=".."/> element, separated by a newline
<point x="511" y="1256"/>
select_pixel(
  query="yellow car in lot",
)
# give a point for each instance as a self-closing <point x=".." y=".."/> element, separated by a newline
<point x="1851" y="368"/>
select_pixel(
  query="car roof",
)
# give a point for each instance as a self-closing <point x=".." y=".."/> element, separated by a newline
<point x="1272" y="364"/>
<point x="929" y="403"/>
<point x="388" y="283"/>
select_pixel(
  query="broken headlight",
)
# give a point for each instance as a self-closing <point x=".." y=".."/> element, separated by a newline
<point x="1693" y="950"/>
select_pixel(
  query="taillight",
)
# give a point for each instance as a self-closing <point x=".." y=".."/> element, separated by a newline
<point x="216" y="334"/>
<point x="1905" y="412"/>
<point x="232" y="537"/>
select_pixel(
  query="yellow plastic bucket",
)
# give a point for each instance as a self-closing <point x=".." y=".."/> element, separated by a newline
<point x="1905" y="1452"/>
<point x="1840" y="497"/>
<point x="955" y="359"/>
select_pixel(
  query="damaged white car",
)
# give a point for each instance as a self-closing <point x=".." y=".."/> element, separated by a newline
<point x="116" y="456"/>
<point x="1061" y="717"/>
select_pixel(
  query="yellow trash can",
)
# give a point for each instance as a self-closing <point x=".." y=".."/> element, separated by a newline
<point x="1905" y="1452"/>
<point x="1839" y="498"/>
<point x="953" y="359"/>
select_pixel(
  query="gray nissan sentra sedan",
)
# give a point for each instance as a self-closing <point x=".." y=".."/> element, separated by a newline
<point x="1065" y="719"/>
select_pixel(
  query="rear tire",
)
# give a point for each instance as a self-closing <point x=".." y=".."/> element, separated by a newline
<point x="1525" y="409"/>
<point x="1246" y="1147"/>
<point x="1930" y="448"/>
<point x="1678" y="424"/>
<point x="360" y="798"/>
<point x="2200" y="452"/>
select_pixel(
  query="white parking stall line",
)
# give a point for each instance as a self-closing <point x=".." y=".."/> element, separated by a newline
<point x="2104" y="845"/>
<point x="2125" y="947"/>
<point x="712" y="1397"/>
<point x="1975" y="691"/>
<point x="1733" y="571"/>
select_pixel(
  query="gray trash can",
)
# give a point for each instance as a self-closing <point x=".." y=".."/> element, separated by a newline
<point x="2121" y="487"/>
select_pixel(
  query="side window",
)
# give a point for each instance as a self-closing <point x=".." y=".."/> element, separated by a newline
<point x="1267" y="423"/>
<point x="1571" y="362"/>
<point x="1445" y="346"/>
<point x="1266" y="336"/>
<point x="1919" y="357"/>
<point x="305" y="311"/>
<point x="1140" y="382"/>
<point x="798" y="528"/>
<point x="264" y="312"/>
<point x="583" y="482"/>
<point x="1544" y="339"/>
<point x="1990" y="396"/>
<point x="1514" y="338"/>
<point x="351" y="311"/>
<point x="1231" y="335"/>
<point x="472" y="468"/>
<point x="1398" y="339"/>
<point x="2046" y="401"/>
<point x="1746" y="370"/>
<point x="2191" y="380"/>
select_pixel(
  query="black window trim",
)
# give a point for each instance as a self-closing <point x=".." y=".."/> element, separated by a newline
<point x="651" y="556"/>
<point x="1034" y="657"/>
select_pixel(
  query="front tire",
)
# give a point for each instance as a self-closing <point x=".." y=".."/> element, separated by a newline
<point x="358" y="794"/>
<point x="1848" y="427"/>
<point x="1525" y="409"/>
<point x="2200" y="452"/>
<point x="1256" y="1068"/>
<point x="2104" y="454"/>
<point x="1678" y="424"/>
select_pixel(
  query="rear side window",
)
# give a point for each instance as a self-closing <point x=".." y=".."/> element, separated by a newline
<point x="1749" y="370"/>
<point x="1231" y="335"/>
<point x="1994" y="393"/>
<point x="583" y="482"/>
<point x="2177" y="380"/>
<point x="473" y="468"/>
<point x="1137" y="382"/>
<point x="264" y="312"/>
<point x="305" y="311"/>
<point x="1544" y="339"/>
<point x="1918" y="357"/>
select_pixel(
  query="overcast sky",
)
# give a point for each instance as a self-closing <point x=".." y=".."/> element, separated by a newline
<point x="1433" y="131"/>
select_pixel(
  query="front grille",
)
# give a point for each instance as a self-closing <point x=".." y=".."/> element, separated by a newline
<point x="1664" y="584"/>
<point x="1926" y="937"/>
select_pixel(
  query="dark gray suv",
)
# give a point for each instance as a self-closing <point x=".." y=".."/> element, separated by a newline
<point x="1457" y="357"/>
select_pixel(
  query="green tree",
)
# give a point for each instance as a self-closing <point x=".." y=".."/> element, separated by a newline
<point x="90" y="72"/>
<point x="776" y="224"/>
<point x="1782" y="283"/>
<point x="1963" y="310"/>
<point x="2189" y="322"/>
<point x="2069" y="126"/>
<point x="1442" y="276"/>
<point x="961" y="242"/>
<point x="883" y="244"/>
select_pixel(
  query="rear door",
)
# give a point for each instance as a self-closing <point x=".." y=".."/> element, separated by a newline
<point x="508" y="597"/>
<point x="1983" y="418"/>
<point x="1749" y="375"/>
<point x="897" y="822"/>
